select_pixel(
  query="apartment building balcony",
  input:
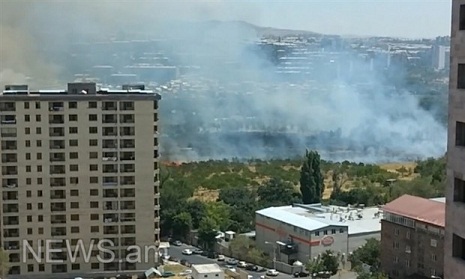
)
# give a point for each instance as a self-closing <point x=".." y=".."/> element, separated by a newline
<point x="57" y="182"/>
<point x="9" y="170"/>
<point x="10" y="233"/>
<point x="58" y="256"/>
<point x="59" y="268"/>
<point x="57" y="132"/>
<point x="128" y="205"/>
<point x="57" y="144"/>
<point x="128" y="217"/>
<point x="128" y="193"/>
<point x="9" y="158"/>
<point x="8" y="132"/>
<point x="109" y="119"/>
<point x="58" y="219"/>
<point x="10" y="196"/>
<point x="113" y="240"/>
<point x="127" y="156"/>
<point x="111" y="156"/>
<point x="128" y="180"/>
<point x="58" y="206"/>
<point x="56" y="119"/>
<point x="127" y="168"/>
<point x="110" y="144"/>
<point x="110" y="168"/>
<point x="58" y="245"/>
<point x="110" y="132"/>
<point x="128" y="241"/>
<point x="57" y="157"/>
<point x="10" y="221"/>
<point x="110" y="229"/>
<point x="9" y="145"/>
<point x="57" y="194"/>
<point x="110" y="218"/>
<point x="110" y="193"/>
<point x="11" y="245"/>
<point x="9" y="183"/>
<point x="58" y="231"/>
<point x="128" y="229"/>
<point x="10" y="208"/>
<point x="127" y="119"/>
<point x="127" y="143"/>
<point x="7" y="106"/>
<point x="14" y="258"/>
<point x="110" y="181"/>
<point x="7" y="119"/>
<point x="126" y="106"/>
<point x="127" y="131"/>
<point x="59" y="169"/>
<point x="110" y="205"/>
<point x="109" y="106"/>
<point x="56" y="106"/>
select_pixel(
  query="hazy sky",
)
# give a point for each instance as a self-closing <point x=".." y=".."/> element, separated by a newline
<point x="405" y="18"/>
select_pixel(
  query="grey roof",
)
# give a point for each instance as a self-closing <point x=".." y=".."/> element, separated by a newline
<point x="207" y="268"/>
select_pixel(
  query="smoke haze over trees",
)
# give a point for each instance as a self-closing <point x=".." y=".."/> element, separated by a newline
<point x="235" y="97"/>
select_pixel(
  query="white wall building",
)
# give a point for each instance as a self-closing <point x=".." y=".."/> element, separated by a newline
<point x="207" y="271"/>
<point x="302" y="231"/>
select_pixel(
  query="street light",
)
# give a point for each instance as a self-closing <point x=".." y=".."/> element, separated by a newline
<point x="274" y="253"/>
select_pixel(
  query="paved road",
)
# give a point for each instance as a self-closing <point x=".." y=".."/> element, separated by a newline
<point x="176" y="251"/>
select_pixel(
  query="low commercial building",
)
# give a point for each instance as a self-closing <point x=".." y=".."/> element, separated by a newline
<point x="299" y="232"/>
<point x="412" y="237"/>
<point x="207" y="271"/>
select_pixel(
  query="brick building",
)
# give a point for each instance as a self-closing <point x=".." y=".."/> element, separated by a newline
<point x="412" y="237"/>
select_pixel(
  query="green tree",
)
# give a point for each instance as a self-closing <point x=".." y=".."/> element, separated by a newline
<point x="182" y="225"/>
<point x="311" y="178"/>
<point x="4" y="263"/>
<point x="235" y="196"/>
<point x="197" y="210"/>
<point x="207" y="233"/>
<point x="368" y="254"/>
<point x="328" y="261"/>
<point x="240" y="246"/>
<point x="276" y="192"/>
<point x="256" y="256"/>
<point x="220" y="213"/>
<point x="173" y="197"/>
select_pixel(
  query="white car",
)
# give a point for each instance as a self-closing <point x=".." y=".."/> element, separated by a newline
<point x="272" y="272"/>
<point x="187" y="252"/>
<point x="221" y="258"/>
<point x="241" y="264"/>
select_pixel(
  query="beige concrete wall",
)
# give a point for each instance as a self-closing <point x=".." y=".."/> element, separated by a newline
<point x="455" y="268"/>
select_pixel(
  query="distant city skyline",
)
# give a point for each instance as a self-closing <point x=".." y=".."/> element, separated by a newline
<point x="393" y="18"/>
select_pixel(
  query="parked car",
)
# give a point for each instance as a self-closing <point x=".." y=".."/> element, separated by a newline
<point x="173" y="259"/>
<point x="231" y="267"/>
<point x="168" y="274"/>
<point x="197" y="251"/>
<point x="260" y="269"/>
<point x="232" y="261"/>
<point x="301" y="274"/>
<point x="241" y="264"/>
<point x="187" y="252"/>
<point x="221" y="258"/>
<point x="272" y="272"/>
<point x="177" y="243"/>
<point x="251" y="267"/>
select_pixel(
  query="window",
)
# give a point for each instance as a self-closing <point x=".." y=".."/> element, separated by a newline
<point x="407" y="263"/>
<point x="459" y="190"/>
<point x="29" y="231"/>
<point x="74" y="229"/>
<point x="341" y="230"/>
<point x="94" y="229"/>
<point x="37" y="105"/>
<point x="28" y="143"/>
<point x="73" y="155"/>
<point x="28" y="194"/>
<point x="333" y="231"/>
<point x="29" y="218"/>
<point x="93" y="180"/>
<point x="38" y="131"/>
<point x="407" y="235"/>
<point x="73" y="168"/>
<point x="93" y="192"/>
<point x="74" y="205"/>
<point x="93" y="142"/>
<point x="434" y="243"/>
<point x="38" y="143"/>
<point x="39" y="179"/>
<point x="28" y="156"/>
<point x="95" y="266"/>
<point x="27" y="131"/>
<point x="75" y="266"/>
<point x="29" y="206"/>
<point x="395" y="245"/>
<point x="74" y="217"/>
<point x="408" y="250"/>
<point x="92" y="117"/>
<point x="460" y="134"/>
<point x="27" y="118"/>
<point x="30" y="268"/>
<point x="93" y="130"/>
<point x="39" y="156"/>
<point x="39" y="168"/>
<point x="396" y="231"/>
<point x="73" y="142"/>
<point x="72" y="105"/>
<point x="94" y="217"/>
<point x="462" y="17"/>
<point x="461" y="76"/>
<point x="39" y="193"/>
<point x="458" y="247"/>
<point x="93" y="167"/>
<point x="434" y="257"/>
<point x="28" y="168"/>
<point x="73" y="130"/>
<point x="26" y="105"/>
<point x="74" y="193"/>
<point x="325" y="232"/>
<point x="38" y="118"/>
<point x="73" y="117"/>
<point x="92" y="104"/>
<point x="73" y="180"/>
<point x="93" y="204"/>
<point x="28" y="181"/>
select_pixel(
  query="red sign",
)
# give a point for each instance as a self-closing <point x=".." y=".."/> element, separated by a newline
<point x="327" y="240"/>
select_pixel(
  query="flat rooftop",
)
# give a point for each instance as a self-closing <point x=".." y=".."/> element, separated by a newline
<point x="207" y="268"/>
<point x="316" y="217"/>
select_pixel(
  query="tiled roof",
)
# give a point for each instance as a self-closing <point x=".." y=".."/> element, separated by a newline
<point x="419" y="209"/>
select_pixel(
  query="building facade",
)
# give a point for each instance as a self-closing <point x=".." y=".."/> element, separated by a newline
<point x="300" y="232"/>
<point x="209" y="271"/>
<point x="454" y="258"/>
<point x="79" y="166"/>
<point x="412" y="238"/>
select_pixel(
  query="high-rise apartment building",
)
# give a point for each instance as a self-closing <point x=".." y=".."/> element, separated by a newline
<point x="79" y="168"/>
<point x="454" y="258"/>
<point x="412" y="238"/>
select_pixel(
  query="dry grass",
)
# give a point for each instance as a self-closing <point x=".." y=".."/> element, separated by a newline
<point x="394" y="167"/>
<point x="175" y="268"/>
<point x="206" y="195"/>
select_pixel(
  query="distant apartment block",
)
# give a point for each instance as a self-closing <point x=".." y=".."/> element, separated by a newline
<point x="454" y="260"/>
<point x="412" y="238"/>
<point x="78" y="165"/>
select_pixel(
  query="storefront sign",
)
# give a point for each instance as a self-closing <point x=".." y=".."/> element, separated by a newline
<point x="327" y="240"/>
